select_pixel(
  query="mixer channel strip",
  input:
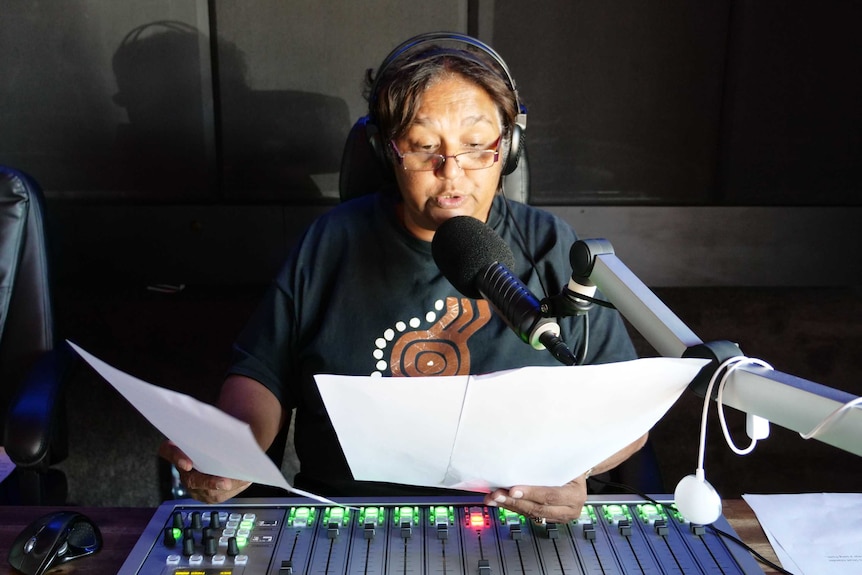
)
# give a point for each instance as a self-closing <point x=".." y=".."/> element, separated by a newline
<point x="454" y="536"/>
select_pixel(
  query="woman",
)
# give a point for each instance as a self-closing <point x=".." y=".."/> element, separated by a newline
<point x="360" y="293"/>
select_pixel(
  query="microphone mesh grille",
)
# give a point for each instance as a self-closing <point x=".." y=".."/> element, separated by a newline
<point x="463" y="247"/>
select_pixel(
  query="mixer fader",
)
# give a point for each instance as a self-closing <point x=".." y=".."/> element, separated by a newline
<point x="433" y="536"/>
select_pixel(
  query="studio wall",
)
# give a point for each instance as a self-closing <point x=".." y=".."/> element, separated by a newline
<point x="164" y="116"/>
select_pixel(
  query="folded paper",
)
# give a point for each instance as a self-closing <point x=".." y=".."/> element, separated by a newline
<point x="527" y="426"/>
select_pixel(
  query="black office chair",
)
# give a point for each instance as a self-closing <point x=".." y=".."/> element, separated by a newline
<point x="32" y="367"/>
<point x="361" y="172"/>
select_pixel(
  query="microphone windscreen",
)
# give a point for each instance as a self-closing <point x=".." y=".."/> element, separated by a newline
<point x="463" y="247"/>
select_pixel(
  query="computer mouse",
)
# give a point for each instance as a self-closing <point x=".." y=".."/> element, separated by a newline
<point x="54" y="539"/>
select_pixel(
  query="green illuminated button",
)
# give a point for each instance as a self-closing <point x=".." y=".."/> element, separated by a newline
<point x="300" y="516"/>
<point x="650" y="513"/>
<point x="335" y="515"/>
<point x="370" y="517"/>
<point x="508" y="517"/>
<point x="615" y="513"/>
<point x="338" y="516"/>
<point x="406" y="516"/>
<point x="442" y="515"/>
<point x="587" y="516"/>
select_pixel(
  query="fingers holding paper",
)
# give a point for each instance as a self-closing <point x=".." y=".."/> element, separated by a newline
<point x="201" y="486"/>
<point x="553" y="504"/>
<point x="557" y="504"/>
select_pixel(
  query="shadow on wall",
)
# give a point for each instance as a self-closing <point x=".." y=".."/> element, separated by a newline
<point x="187" y="138"/>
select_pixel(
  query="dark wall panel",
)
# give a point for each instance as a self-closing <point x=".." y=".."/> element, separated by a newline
<point x="105" y="100"/>
<point x="286" y="117"/>
<point x="793" y="110"/>
<point x="727" y="102"/>
<point x="624" y="96"/>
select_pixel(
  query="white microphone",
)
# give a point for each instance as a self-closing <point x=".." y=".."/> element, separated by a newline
<point x="697" y="499"/>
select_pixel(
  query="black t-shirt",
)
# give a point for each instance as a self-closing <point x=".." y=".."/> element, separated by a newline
<point x="359" y="295"/>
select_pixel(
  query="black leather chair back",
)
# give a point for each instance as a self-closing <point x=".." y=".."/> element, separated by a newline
<point x="361" y="172"/>
<point x="33" y="371"/>
<point x="26" y="313"/>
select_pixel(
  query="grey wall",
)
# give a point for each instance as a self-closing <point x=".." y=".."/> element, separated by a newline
<point x="663" y="246"/>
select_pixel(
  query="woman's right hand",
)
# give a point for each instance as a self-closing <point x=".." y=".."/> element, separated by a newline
<point x="200" y="486"/>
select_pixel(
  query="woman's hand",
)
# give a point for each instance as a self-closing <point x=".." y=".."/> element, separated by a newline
<point x="557" y="504"/>
<point x="554" y="504"/>
<point x="247" y="400"/>
<point x="203" y="487"/>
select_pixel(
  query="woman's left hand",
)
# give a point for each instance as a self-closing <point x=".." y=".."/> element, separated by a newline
<point x="552" y="504"/>
<point x="557" y="504"/>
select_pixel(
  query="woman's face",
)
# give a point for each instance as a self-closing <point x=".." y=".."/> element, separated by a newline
<point x="454" y="116"/>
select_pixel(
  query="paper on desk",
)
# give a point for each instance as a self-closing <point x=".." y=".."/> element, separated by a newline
<point x="813" y="533"/>
<point x="528" y="426"/>
<point x="217" y="443"/>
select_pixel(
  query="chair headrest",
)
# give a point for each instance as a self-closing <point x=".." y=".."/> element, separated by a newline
<point x="361" y="172"/>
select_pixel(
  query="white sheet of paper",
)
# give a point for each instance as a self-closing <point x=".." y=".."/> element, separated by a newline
<point x="216" y="442"/>
<point x="813" y="533"/>
<point x="528" y="426"/>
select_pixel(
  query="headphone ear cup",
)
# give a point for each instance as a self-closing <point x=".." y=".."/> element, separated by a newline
<point x="516" y="144"/>
<point x="372" y="134"/>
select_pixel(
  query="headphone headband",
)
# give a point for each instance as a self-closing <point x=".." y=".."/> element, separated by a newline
<point x="434" y="37"/>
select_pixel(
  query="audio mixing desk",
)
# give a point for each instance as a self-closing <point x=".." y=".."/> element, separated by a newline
<point x="431" y="536"/>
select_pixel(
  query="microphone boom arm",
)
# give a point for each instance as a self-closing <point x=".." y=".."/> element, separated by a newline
<point x="791" y="402"/>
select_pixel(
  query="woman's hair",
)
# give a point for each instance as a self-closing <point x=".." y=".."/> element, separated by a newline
<point x="394" y="98"/>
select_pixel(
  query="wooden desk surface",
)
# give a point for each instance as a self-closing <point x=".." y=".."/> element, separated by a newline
<point x="745" y="523"/>
<point x="121" y="528"/>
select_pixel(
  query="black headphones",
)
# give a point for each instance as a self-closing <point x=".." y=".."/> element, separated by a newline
<point x="516" y="138"/>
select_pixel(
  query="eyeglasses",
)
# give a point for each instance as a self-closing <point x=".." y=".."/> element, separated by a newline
<point x="430" y="162"/>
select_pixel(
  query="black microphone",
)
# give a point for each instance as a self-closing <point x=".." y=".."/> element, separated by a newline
<point x="578" y="296"/>
<point x="476" y="262"/>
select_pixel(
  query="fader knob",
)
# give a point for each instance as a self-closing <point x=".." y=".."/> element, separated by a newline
<point x="169" y="539"/>
<point x="215" y="520"/>
<point x="515" y="531"/>
<point x="188" y="546"/>
<point x="210" y="546"/>
<point x="625" y="527"/>
<point x="232" y="547"/>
